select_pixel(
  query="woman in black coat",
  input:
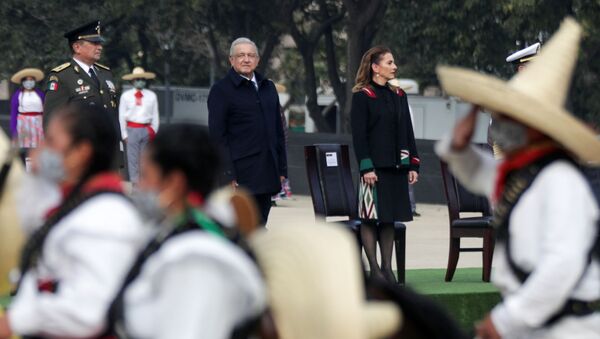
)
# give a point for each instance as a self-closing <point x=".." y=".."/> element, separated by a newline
<point x="385" y="148"/>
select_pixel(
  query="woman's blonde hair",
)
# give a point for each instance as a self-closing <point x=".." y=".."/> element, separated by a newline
<point x="365" y="72"/>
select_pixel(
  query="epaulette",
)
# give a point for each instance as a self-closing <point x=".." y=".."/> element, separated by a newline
<point x="61" y="67"/>
<point x="369" y="91"/>
<point x="102" y="66"/>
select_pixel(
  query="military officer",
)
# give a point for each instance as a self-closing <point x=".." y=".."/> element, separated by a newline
<point x="83" y="79"/>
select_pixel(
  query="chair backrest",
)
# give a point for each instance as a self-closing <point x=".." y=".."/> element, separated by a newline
<point x="459" y="199"/>
<point x="330" y="180"/>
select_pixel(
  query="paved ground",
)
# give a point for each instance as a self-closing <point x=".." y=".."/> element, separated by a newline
<point x="426" y="237"/>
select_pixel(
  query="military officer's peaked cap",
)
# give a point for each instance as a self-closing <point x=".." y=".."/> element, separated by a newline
<point x="89" y="32"/>
<point x="524" y="55"/>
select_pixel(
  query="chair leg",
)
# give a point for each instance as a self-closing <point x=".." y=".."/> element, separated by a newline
<point x="488" y="254"/>
<point x="400" y="248"/>
<point x="453" y="254"/>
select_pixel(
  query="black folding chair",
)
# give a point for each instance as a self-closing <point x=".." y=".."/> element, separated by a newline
<point x="334" y="195"/>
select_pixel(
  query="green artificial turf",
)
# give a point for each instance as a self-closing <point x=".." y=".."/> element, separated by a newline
<point x="466" y="298"/>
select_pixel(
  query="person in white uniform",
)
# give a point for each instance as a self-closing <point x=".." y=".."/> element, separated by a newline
<point x="545" y="214"/>
<point x="138" y="118"/>
<point x="190" y="281"/>
<point x="74" y="262"/>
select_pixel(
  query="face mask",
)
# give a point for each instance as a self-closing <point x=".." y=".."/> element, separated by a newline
<point x="508" y="135"/>
<point x="50" y="165"/>
<point x="148" y="205"/>
<point x="139" y="84"/>
<point x="29" y="84"/>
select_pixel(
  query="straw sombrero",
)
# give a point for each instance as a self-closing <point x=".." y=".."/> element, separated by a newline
<point x="535" y="96"/>
<point x="139" y="73"/>
<point x="37" y="74"/>
<point x="315" y="284"/>
<point x="11" y="234"/>
<point x="280" y="88"/>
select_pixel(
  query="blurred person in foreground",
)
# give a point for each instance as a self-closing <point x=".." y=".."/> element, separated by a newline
<point x="244" y="119"/>
<point x="190" y="280"/>
<point x="544" y="211"/>
<point x="83" y="232"/>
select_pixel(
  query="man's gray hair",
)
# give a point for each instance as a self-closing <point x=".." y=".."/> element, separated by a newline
<point x="240" y="41"/>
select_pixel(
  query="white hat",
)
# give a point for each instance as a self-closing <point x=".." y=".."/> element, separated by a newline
<point x="36" y="73"/>
<point x="524" y="55"/>
<point x="535" y="96"/>
<point x="11" y="233"/>
<point x="139" y="73"/>
<point x="315" y="284"/>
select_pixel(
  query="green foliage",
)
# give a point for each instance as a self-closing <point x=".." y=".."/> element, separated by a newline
<point x="480" y="34"/>
<point x="470" y="33"/>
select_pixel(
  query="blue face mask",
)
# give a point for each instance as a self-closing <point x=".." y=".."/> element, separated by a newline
<point x="147" y="204"/>
<point x="139" y="84"/>
<point x="29" y="84"/>
<point x="51" y="165"/>
<point x="508" y="135"/>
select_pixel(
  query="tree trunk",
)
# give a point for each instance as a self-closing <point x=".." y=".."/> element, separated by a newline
<point x="310" y="86"/>
<point x="267" y="50"/>
<point x="361" y="22"/>
<point x="332" y="70"/>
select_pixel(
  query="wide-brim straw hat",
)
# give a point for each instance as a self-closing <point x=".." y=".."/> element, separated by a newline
<point x="11" y="233"/>
<point x="535" y="96"/>
<point x="36" y="73"/>
<point x="315" y="284"/>
<point x="139" y="73"/>
<point x="280" y="88"/>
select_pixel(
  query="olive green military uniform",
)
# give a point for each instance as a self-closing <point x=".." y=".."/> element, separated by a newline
<point x="68" y="83"/>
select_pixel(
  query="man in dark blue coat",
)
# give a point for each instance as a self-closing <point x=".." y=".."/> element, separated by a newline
<point x="244" y="119"/>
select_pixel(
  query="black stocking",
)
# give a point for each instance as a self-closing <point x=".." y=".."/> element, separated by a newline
<point x="386" y="244"/>
<point x="368" y="234"/>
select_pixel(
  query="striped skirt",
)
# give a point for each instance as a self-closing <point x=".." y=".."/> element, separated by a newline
<point x="30" y="130"/>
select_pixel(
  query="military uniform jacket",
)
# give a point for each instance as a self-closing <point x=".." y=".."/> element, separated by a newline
<point x="69" y="83"/>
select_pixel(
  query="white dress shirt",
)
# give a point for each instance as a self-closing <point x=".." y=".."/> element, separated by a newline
<point x="254" y="82"/>
<point x="552" y="229"/>
<point x="30" y="101"/>
<point x="88" y="254"/>
<point x="146" y="113"/>
<point x="85" y="67"/>
<point x="196" y="286"/>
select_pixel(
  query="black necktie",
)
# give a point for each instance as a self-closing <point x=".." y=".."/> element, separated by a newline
<point x="94" y="77"/>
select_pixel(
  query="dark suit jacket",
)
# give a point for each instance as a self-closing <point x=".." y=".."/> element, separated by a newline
<point x="246" y="123"/>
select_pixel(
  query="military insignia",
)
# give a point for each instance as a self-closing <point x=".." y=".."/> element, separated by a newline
<point x="53" y="78"/>
<point x="80" y="82"/>
<point x="61" y="67"/>
<point x="110" y="85"/>
<point x="76" y="68"/>
<point x="102" y="66"/>
<point x="53" y="86"/>
<point x="82" y="89"/>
